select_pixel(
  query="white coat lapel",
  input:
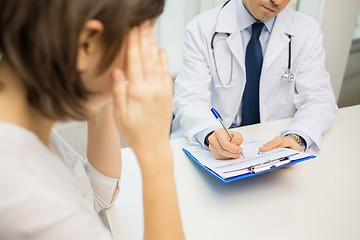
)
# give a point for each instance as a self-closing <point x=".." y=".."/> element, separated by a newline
<point x="227" y="23"/>
<point x="278" y="39"/>
<point x="235" y="43"/>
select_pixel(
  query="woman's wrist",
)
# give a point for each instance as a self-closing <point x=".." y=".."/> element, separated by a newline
<point x="155" y="158"/>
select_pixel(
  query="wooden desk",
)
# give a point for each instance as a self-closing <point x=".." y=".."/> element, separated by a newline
<point x="316" y="199"/>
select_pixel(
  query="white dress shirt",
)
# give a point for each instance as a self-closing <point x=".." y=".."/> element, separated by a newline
<point x="49" y="194"/>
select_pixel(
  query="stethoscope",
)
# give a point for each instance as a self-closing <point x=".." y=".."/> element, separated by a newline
<point x="216" y="68"/>
<point x="214" y="58"/>
<point x="286" y="76"/>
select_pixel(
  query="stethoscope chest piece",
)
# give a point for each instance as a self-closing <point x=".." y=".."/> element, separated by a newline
<point x="288" y="76"/>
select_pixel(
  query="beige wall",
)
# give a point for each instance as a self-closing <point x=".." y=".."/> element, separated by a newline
<point x="338" y="23"/>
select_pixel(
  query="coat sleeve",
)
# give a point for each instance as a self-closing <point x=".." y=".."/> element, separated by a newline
<point x="192" y="98"/>
<point x="314" y="98"/>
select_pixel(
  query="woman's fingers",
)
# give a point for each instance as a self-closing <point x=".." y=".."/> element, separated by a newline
<point x="150" y="58"/>
<point x="120" y="93"/>
<point x="134" y="58"/>
<point x="168" y="83"/>
<point x="147" y="97"/>
<point x="164" y="62"/>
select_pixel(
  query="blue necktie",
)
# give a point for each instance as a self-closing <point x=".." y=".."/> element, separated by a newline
<point x="253" y="62"/>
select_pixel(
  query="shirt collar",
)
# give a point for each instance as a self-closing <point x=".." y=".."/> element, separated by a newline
<point x="245" y="20"/>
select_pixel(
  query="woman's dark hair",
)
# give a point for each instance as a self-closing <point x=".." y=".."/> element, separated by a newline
<point x="39" y="39"/>
<point x="141" y="10"/>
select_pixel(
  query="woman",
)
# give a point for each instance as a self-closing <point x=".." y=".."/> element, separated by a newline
<point x="80" y="60"/>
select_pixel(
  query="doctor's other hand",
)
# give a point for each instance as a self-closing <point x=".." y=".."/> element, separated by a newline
<point x="281" y="142"/>
<point x="222" y="147"/>
<point x="143" y="98"/>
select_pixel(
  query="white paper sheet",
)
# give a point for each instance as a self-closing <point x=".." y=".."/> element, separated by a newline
<point x="241" y="165"/>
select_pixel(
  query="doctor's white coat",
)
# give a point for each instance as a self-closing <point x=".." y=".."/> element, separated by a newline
<point x="309" y="98"/>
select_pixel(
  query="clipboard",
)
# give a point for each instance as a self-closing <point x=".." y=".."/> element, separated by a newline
<point x="265" y="166"/>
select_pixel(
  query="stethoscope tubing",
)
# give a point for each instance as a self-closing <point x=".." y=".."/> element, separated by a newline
<point x="289" y="58"/>
<point x="214" y="58"/>
<point x="287" y="75"/>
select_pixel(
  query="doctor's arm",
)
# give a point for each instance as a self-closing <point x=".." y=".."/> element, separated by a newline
<point x="193" y="93"/>
<point x="314" y="99"/>
<point x="193" y="87"/>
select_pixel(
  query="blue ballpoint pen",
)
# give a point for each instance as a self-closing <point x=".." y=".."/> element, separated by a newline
<point x="218" y="116"/>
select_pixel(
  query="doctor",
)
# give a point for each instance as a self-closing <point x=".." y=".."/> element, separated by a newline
<point x="254" y="61"/>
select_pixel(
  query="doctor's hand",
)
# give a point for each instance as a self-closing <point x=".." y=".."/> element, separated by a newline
<point x="222" y="147"/>
<point x="282" y="142"/>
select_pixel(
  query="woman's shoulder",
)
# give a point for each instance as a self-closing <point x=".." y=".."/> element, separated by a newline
<point x="38" y="206"/>
<point x="28" y="166"/>
<point x="37" y="194"/>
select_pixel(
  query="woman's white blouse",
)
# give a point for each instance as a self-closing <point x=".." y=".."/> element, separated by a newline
<point x="49" y="194"/>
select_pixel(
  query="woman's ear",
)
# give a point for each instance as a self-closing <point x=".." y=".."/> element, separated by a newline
<point x="89" y="43"/>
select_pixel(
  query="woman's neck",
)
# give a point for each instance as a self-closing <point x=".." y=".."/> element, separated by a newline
<point x="14" y="107"/>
